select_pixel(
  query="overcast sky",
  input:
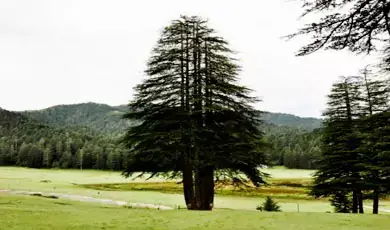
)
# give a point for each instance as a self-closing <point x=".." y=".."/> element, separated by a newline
<point x="71" y="51"/>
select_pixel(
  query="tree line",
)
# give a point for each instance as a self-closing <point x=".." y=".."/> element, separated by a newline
<point x="292" y="147"/>
<point x="68" y="147"/>
<point x="292" y="142"/>
<point x="355" y="159"/>
<point x="25" y="142"/>
<point x="354" y="163"/>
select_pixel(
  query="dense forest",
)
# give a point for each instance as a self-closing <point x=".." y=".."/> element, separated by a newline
<point x="86" y="135"/>
<point x="26" y="142"/>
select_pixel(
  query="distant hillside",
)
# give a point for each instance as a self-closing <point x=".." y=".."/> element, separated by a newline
<point x="100" y="117"/>
<point x="308" y="123"/>
<point x="66" y="131"/>
<point x="24" y="128"/>
<point x="105" y="118"/>
<point x="28" y="142"/>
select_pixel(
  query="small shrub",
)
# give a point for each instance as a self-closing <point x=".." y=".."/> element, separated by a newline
<point x="269" y="205"/>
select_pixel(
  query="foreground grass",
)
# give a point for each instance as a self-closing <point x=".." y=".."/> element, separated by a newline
<point x="19" y="213"/>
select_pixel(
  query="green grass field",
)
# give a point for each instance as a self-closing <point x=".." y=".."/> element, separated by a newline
<point x="85" y="183"/>
<point x="39" y="213"/>
<point x="288" y="187"/>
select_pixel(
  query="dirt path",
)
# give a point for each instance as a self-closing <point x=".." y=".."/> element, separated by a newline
<point x="89" y="199"/>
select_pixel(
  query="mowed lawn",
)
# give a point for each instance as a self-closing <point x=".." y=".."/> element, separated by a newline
<point x="287" y="190"/>
<point x="25" y="212"/>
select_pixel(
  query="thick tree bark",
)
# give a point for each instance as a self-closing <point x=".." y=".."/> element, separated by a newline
<point x="354" y="201"/>
<point x="188" y="186"/>
<point x="205" y="199"/>
<point x="360" y="200"/>
<point x="375" y="205"/>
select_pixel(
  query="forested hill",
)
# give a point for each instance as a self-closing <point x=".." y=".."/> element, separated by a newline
<point x="105" y="118"/>
<point x="100" y="117"/>
<point x="308" y="123"/>
<point x="61" y="133"/>
<point x="27" y="142"/>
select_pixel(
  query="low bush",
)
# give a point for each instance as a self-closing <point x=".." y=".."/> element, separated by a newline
<point x="269" y="205"/>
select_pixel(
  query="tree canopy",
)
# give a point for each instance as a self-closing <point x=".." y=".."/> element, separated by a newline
<point x="354" y="24"/>
<point x="195" y="118"/>
<point x="355" y="135"/>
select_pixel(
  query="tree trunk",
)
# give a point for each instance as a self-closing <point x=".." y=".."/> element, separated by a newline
<point x="360" y="198"/>
<point x="188" y="178"/>
<point x="375" y="206"/>
<point x="354" y="202"/>
<point x="205" y="188"/>
<point x="209" y="188"/>
<point x="188" y="187"/>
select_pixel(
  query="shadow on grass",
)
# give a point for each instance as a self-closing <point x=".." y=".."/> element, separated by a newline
<point x="44" y="196"/>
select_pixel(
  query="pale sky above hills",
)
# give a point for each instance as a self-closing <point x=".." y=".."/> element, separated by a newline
<point x="71" y="51"/>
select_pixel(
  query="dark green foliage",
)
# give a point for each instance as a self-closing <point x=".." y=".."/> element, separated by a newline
<point x="23" y="154"/>
<point x="340" y="166"/>
<point x="285" y="133"/>
<point x="99" y="117"/>
<point x="341" y="201"/>
<point x="195" y="119"/>
<point x="35" y="157"/>
<point x="376" y="147"/>
<point x="354" y="157"/>
<point x="375" y="97"/>
<point x="354" y="24"/>
<point x="26" y="142"/>
<point x="269" y="205"/>
<point x="293" y="148"/>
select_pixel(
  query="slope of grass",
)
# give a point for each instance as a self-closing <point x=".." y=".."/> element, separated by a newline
<point x="19" y="213"/>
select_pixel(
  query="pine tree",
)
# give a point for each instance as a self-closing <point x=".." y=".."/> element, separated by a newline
<point x="195" y="118"/>
<point x="23" y="154"/>
<point x="339" y="170"/>
<point x="269" y="205"/>
<point x="35" y="157"/>
<point x="47" y="156"/>
<point x="375" y="96"/>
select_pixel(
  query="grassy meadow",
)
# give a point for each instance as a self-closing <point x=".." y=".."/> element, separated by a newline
<point x="288" y="187"/>
<point x="20" y="213"/>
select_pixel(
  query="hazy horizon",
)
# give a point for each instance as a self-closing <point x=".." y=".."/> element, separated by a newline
<point x="68" y="52"/>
